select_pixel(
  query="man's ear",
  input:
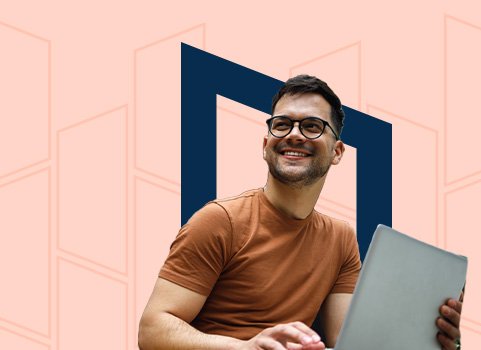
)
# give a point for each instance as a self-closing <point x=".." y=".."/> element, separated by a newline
<point x="264" y="143"/>
<point x="338" y="152"/>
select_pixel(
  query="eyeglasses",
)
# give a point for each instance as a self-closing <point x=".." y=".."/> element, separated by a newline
<point x="311" y="127"/>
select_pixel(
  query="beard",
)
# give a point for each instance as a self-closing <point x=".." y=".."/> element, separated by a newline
<point x="296" y="175"/>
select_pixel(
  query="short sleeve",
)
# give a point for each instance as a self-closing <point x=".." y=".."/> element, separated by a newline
<point x="200" y="251"/>
<point x="351" y="264"/>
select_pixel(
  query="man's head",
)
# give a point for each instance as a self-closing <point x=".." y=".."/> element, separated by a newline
<point x="303" y="84"/>
<point x="302" y="142"/>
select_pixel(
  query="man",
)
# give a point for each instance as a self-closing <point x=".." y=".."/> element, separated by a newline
<point x="251" y="272"/>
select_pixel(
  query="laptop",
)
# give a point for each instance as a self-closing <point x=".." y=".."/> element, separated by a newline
<point x="397" y="297"/>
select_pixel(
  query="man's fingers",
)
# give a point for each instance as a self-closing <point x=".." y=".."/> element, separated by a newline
<point x="450" y="314"/>
<point x="448" y="324"/>
<point x="455" y="304"/>
<point x="293" y="346"/>
<point x="285" y="333"/>
<point x="293" y="332"/>
<point x="313" y="346"/>
<point x="447" y="343"/>
<point x="447" y="328"/>
<point x="267" y="343"/>
<point x="307" y="330"/>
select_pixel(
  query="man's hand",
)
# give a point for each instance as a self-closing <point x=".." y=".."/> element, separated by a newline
<point x="448" y="323"/>
<point x="290" y="336"/>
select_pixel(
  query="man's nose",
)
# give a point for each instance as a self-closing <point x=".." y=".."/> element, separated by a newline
<point x="295" y="133"/>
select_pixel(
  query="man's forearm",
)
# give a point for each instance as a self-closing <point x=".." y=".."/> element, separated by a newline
<point x="166" y="331"/>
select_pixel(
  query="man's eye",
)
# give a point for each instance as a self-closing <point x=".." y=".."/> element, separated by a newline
<point x="281" y="125"/>
<point x="312" y="127"/>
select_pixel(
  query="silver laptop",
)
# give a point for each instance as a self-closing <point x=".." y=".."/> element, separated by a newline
<point x="402" y="284"/>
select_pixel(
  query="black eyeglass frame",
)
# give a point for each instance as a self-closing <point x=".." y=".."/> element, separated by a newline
<point x="324" y="122"/>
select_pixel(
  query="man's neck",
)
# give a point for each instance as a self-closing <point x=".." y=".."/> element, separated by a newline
<point x="295" y="202"/>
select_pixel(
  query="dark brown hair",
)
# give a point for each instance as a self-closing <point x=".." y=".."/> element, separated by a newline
<point x="303" y="84"/>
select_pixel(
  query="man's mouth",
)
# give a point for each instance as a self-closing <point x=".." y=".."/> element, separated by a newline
<point x="294" y="154"/>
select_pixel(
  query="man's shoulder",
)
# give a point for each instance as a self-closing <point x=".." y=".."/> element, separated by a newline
<point x="222" y="209"/>
<point x="238" y="202"/>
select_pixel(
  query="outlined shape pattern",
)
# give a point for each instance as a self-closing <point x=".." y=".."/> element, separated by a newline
<point x="154" y="233"/>
<point x="11" y="340"/>
<point x="463" y="226"/>
<point x="240" y="133"/>
<point x="156" y="104"/>
<point x="25" y="96"/>
<point x="462" y="75"/>
<point x="155" y="153"/>
<point x="24" y="256"/>
<point x="96" y="316"/>
<point x="205" y="75"/>
<point x="415" y="151"/>
<point x="92" y="190"/>
<point x="341" y="68"/>
<point x="462" y="170"/>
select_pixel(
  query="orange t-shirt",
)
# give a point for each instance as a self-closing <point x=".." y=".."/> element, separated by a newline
<point x="259" y="268"/>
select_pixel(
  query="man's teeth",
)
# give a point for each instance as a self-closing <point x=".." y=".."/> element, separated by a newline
<point x="295" y="154"/>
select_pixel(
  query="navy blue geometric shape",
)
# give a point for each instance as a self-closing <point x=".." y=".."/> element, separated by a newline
<point x="205" y="75"/>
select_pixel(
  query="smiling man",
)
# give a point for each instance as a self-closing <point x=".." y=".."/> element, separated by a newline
<point x="252" y="271"/>
<point x="300" y="164"/>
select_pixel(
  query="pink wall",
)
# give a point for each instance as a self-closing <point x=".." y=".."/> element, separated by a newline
<point x="90" y="140"/>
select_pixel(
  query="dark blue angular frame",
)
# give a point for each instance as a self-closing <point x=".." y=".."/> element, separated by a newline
<point x="205" y="75"/>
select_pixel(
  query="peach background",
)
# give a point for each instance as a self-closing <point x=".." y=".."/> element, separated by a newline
<point x="90" y="140"/>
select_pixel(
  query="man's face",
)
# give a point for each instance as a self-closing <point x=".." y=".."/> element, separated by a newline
<point x="311" y="158"/>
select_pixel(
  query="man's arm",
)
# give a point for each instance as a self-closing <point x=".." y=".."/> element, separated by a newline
<point x="165" y="325"/>
<point x="333" y="311"/>
<point x="165" y="321"/>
